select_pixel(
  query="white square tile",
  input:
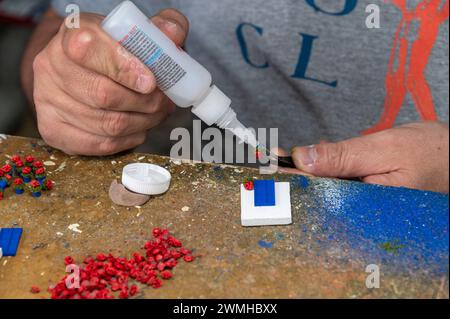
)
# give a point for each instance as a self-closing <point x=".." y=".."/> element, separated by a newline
<point x="280" y="214"/>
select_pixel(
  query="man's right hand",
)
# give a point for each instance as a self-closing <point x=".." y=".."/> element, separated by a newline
<point x="92" y="97"/>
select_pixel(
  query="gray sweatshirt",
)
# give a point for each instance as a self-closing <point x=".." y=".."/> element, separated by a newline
<point x="315" y="69"/>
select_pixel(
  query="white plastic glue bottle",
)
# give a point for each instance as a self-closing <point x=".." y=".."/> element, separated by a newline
<point x="185" y="81"/>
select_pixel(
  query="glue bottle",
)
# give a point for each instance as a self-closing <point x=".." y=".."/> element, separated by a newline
<point x="185" y="81"/>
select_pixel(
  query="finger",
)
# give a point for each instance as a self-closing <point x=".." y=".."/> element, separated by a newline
<point x="293" y="171"/>
<point x="285" y="170"/>
<point x="173" y="24"/>
<point x="91" y="48"/>
<point x="99" y="91"/>
<point x="362" y="156"/>
<point x="278" y="151"/>
<point x="105" y="122"/>
<point x="381" y="179"/>
<point x="397" y="179"/>
<point x="74" y="141"/>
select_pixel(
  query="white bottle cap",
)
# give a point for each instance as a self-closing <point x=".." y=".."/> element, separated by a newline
<point x="213" y="106"/>
<point x="146" y="179"/>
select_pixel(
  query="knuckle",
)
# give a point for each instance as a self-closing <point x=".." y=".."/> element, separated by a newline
<point x="108" y="146"/>
<point x="99" y="93"/>
<point x="115" y="123"/>
<point x="102" y="94"/>
<point x="157" y="102"/>
<point x="46" y="132"/>
<point x="38" y="95"/>
<point x="141" y="139"/>
<point x="336" y="156"/>
<point x="38" y="63"/>
<point x="77" y="43"/>
<point x="121" y="73"/>
<point x="129" y="72"/>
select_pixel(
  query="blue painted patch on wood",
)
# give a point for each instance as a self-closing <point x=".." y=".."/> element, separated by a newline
<point x="265" y="244"/>
<point x="398" y="228"/>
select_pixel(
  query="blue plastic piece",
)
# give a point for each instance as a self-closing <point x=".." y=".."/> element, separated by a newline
<point x="3" y="183"/>
<point x="9" y="240"/>
<point x="264" y="192"/>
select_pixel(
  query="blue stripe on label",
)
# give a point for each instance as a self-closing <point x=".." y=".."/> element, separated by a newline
<point x="154" y="57"/>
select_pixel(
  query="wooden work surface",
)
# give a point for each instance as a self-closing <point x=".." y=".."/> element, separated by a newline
<point x="339" y="228"/>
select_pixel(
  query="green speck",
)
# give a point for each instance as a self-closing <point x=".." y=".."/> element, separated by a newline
<point x="392" y="248"/>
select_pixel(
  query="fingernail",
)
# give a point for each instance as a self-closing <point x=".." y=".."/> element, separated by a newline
<point x="170" y="26"/>
<point x="144" y="83"/>
<point x="307" y="155"/>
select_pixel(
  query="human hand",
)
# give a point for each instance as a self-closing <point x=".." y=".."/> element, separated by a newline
<point x="414" y="155"/>
<point x="92" y="97"/>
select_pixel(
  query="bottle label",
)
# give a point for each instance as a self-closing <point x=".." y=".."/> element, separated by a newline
<point x="167" y="72"/>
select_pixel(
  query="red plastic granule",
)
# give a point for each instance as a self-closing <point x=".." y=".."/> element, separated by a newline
<point x="185" y="251"/>
<point x="35" y="290"/>
<point x="26" y="170"/>
<point x="166" y="274"/>
<point x="68" y="260"/>
<point x="155" y="282"/>
<point x="249" y="185"/>
<point x="124" y="294"/>
<point x="156" y="232"/>
<point x="188" y="258"/>
<point x="101" y="257"/>
<point x="133" y="290"/>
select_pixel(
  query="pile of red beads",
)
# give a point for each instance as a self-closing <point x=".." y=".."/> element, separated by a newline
<point x="101" y="277"/>
<point x="25" y="174"/>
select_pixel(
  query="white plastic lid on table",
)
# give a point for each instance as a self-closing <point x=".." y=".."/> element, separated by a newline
<point x="148" y="179"/>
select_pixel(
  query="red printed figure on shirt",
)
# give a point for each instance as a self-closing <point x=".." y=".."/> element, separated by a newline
<point x="409" y="74"/>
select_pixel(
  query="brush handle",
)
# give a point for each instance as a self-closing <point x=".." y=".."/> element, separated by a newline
<point x="286" y="161"/>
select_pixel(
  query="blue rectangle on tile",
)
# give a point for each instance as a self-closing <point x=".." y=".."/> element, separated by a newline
<point x="9" y="240"/>
<point x="264" y="192"/>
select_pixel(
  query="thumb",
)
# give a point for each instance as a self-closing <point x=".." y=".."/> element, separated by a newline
<point x="356" y="157"/>
<point x="173" y="23"/>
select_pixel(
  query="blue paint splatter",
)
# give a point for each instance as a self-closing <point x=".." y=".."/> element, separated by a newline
<point x="279" y="236"/>
<point x="369" y="218"/>
<point x="300" y="181"/>
<point x="402" y="229"/>
<point x="265" y="244"/>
